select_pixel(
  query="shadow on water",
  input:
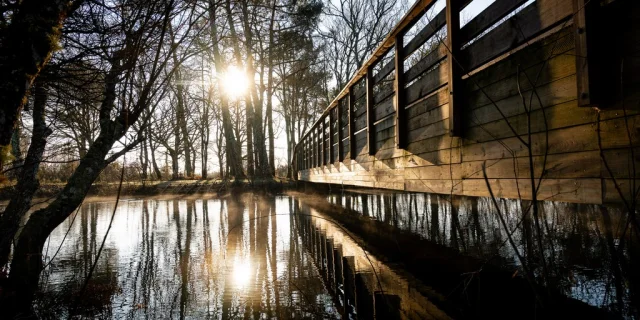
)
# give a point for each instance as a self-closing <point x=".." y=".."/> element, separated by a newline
<point x="588" y="256"/>
<point x="241" y="257"/>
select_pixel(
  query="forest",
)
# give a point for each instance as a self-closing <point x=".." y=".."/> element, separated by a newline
<point x="102" y="91"/>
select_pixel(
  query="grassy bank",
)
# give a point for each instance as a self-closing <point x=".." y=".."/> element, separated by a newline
<point x="157" y="188"/>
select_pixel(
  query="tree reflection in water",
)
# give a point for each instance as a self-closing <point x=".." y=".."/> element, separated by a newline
<point x="586" y="254"/>
<point x="232" y="258"/>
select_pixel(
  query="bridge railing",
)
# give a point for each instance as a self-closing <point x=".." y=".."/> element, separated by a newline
<point x="378" y="109"/>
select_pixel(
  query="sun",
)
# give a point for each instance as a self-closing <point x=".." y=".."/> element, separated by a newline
<point x="235" y="82"/>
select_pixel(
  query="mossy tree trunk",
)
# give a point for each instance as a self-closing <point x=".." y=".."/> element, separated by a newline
<point x="26" y="46"/>
<point x="28" y="182"/>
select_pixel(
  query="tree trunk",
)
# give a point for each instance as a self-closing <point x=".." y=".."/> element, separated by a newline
<point x="28" y="182"/>
<point x="25" y="47"/>
<point x="234" y="159"/>
<point x="182" y="129"/>
<point x="152" y="151"/>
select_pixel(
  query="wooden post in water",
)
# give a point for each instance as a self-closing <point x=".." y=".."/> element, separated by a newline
<point x="364" y="295"/>
<point x="455" y="72"/>
<point x="349" y="270"/>
<point x="330" y="263"/>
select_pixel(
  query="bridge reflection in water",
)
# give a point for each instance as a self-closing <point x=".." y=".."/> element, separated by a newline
<point x="590" y="255"/>
<point x="240" y="257"/>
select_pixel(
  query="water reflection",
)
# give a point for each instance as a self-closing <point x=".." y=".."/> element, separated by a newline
<point x="248" y="257"/>
<point x="233" y="258"/>
<point x="585" y="253"/>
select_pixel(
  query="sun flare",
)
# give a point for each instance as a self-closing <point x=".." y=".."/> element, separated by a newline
<point x="241" y="273"/>
<point x="235" y="82"/>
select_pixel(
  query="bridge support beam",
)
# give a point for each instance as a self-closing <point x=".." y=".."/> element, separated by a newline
<point x="371" y="133"/>
<point x="401" y="132"/>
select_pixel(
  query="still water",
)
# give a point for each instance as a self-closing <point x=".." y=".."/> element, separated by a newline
<point x="271" y="257"/>
<point x="590" y="253"/>
<point x="240" y="257"/>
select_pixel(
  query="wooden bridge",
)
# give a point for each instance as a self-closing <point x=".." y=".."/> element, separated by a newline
<point x="525" y="96"/>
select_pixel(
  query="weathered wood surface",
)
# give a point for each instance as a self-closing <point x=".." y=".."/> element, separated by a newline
<point x="523" y="81"/>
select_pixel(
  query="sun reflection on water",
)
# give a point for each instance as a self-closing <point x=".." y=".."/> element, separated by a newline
<point x="241" y="273"/>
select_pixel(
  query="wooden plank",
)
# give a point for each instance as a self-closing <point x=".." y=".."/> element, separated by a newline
<point x="426" y="33"/>
<point x="558" y="166"/>
<point x="426" y="63"/>
<point x="399" y="83"/>
<point x="360" y="107"/>
<point x="555" y="93"/>
<point x="487" y="18"/>
<point x="556" y="78"/>
<point x="429" y="82"/>
<point x="384" y="71"/>
<point x="427" y="118"/>
<point x="531" y="21"/>
<point x="384" y="91"/>
<point x="370" y="112"/>
<point x="360" y="123"/>
<point x="345" y="149"/>
<point x="537" y="53"/>
<point x="384" y="109"/>
<point x="434" y="129"/>
<point x="436" y="99"/>
<point x="454" y="70"/>
<point x="569" y="190"/>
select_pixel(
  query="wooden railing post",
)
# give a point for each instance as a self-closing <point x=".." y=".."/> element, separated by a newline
<point x="332" y="132"/>
<point x="340" y="135"/>
<point x="352" y="125"/>
<point x="398" y="86"/>
<point x="455" y="72"/>
<point x="324" y="141"/>
<point x="371" y="133"/>
<point x="319" y="134"/>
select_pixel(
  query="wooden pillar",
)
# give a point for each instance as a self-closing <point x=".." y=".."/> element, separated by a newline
<point x="455" y="72"/>
<point x="324" y="141"/>
<point x="364" y="296"/>
<point x="340" y="136"/>
<point x="371" y="132"/>
<point x="352" y="125"/>
<point x="582" y="64"/>
<point x="315" y="147"/>
<point x="349" y="271"/>
<point x="319" y="133"/>
<point x="330" y="264"/>
<point x="332" y="153"/>
<point x="398" y="85"/>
